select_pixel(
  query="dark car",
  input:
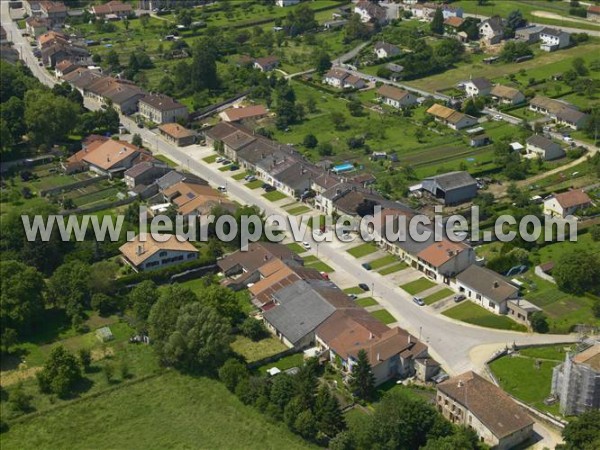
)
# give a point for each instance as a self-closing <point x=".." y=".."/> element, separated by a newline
<point x="363" y="286"/>
<point x="459" y="298"/>
<point x="353" y="296"/>
<point x="269" y="188"/>
<point x="234" y="167"/>
<point x="419" y="301"/>
<point x="366" y="266"/>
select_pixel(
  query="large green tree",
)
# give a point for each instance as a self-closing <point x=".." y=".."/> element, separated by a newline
<point x="437" y="24"/>
<point x="60" y="373"/>
<point x="49" y="118"/>
<point x="141" y="299"/>
<point x="363" y="380"/>
<point x="577" y="271"/>
<point x="582" y="433"/>
<point x="68" y="287"/>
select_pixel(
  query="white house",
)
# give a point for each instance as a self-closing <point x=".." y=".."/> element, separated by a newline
<point x="486" y="288"/>
<point x="146" y="253"/>
<point x="491" y="31"/>
<point x="452" y="118"/>
<point x="385" y="50"/>
<point x="566" y="203"/>
<point x="370" y="12"/>
<point x="343" y="80"/>
<point x="541" y="146"/>
<point x="507" y="95"/>
<point x="284" y="3"/>
<point x="445" y="259"/>
<point x="478" y="87"/>
<point x="397" y="98"/>
<point x="553" y="39"/>
<point x="161" y="108"/>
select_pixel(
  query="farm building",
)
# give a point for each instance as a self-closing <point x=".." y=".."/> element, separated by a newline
<point x="452" y="187"/>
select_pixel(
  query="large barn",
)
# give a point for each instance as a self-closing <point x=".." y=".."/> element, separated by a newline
<point x="452" y="188"/>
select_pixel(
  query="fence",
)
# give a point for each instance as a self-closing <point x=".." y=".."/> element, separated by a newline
<point x="72" y="186"/>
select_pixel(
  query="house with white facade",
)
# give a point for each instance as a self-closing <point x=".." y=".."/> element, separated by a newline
<point x="371" y="12"/>
<point x="147" y="253"/>
<point x="552" y="39"/>
<point x="160" y="108"/>
<point x="542" y="147"/>
<point x="443" y="260"/>
<point x="385" y="50"/>
<point x="395" y="97"/>
<point x="491" y="31"/>
<point x="486" y="288"/>
<point x="566" y="203"/>
<point x="476" y="87"/>
<point x="343" y="80"/>
<point x="507" y="95"/>
<point x="284" y="3"/>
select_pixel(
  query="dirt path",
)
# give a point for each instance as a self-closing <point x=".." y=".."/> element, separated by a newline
<point x="550" y="15"/>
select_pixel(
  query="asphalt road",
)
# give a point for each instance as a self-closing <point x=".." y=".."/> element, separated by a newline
<point x="451" y="342"/>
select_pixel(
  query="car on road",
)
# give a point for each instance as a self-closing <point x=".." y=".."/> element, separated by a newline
<point x="366" y="266"/>
<point x="419" y="301"/>
<point x="497" y="117"/>
<point x="459" y="298"/>
<point x="568" y="139"/>
<point x="363" y="286"/>
<point x="353" y="296"/>
<point x="222" y="189"/>
<point x="306" y="245"/>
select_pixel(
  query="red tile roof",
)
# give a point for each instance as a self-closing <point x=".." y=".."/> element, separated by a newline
<point x="572" y="198"/>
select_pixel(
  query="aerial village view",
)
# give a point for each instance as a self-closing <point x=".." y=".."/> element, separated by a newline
<point x="300" y="224"/>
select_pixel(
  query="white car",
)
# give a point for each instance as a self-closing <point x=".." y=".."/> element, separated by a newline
<point x="306" y="245"/>
<point x="497" y="117"/>
<point x="568" y="139"/>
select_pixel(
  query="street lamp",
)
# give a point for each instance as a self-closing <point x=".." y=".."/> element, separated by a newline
<point x="373" y="288"/>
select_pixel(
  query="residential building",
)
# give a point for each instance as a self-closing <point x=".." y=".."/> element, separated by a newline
<point x="193" y="199"/>
<point x="396" y="98"/>
<point x="486" y="288"/>
<point x="266" y="64"/>
<point x="57" y="52"/>
<point x="491" y="31"/>
<point x="36" y="26"/>
<point x="144" y="173"/>
<point x="51" y="37"/>
<point x="334" y="24"/>
<point x="284" y="3"/>
<point x="566" y="203"/>
<point x="507" y="95"/>
<point x="479" y="140"/>
<point x="385" y="50"/>
<point x="521" y="310"/>
<point x="81" y="78"/>
<point x="147" y="253"/>
<point x="371" y="12"/>
<point x="160" y="108"/>
<point x="476" y="87"/>
<point x="258" y="254"/>
<point x="151" y="5"/>
<point x="177" y="134"/>
<point x="553" y="39"/>
<point x="451" y="188"/>
<point x="452" y="25"/>
<point x="443" y="260"/>
<point x="576" y="382"/>
<point x="114" y="9"/>
<point x="64" y="67"/>
<point x="529" y="34"/>
<point x="54" y="12"/>
<point x="561" y="112"/>
<point x="450" y="117"/>
<point x="470" y="401"/>
<point x="104" y="156"/>
<point x="593" y="13"/>
<point x="244" y="113"/>
<point x="343" y="80"/>
<point x="543" y="147"/>
<point x="123" y="95"/>
<point x="173" y="177"/>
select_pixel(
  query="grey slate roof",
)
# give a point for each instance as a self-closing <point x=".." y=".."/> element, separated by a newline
<point x="488" y="283"/>
<point x="540" y="141"/>
<point x="481" y="83"/>
<point x="453" y="180"/>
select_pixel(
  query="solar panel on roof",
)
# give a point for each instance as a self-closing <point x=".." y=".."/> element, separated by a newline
<point x="190" y="195"/>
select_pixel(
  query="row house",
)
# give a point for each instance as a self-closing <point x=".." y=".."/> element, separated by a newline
<point x="341" y="79"/>
<point x="160" y="108"/>
<point x="561" y="112"/>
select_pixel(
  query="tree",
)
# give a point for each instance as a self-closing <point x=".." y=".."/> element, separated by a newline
<point x="283" y="389"/>
<point x="328" y="414"/>
<point x="68" y="287"/>
<point x="582" y="433"/>
<point x="595" y="232"/>
<point x="437" y="24"/>
<point x="141" y="299"/>
<point x="322" y="61"/>
<point x="22" y="299"/>
<point x="577" y="271"/>
<point x="199" y="341"/>
<point x="112" y="61"/>
<point x="49" y="118"/>
<point x="203" y="70"/>
<point x="338" y="119"/>
<point x="137" y="140"/>
<point x="104" y="304"/>
<point x="253" y="329"/>
<point x="20" y="400"/>
<point x="102" y="277"/>
<point x="108" y="371"/>
<point x="60" y="374"/>
<point x="232" y="372"/>
<point x="539" y="322"/>
<point x="325" y="149"/>
<point x="305" y="425"/>
<point x="310" y="141"/>
<point x="463" y="439"/>
<point x="363" y="380"/>
<point x="515" y="20"/>
<point x="579" y="67"/>
<point x="85" y="359"/>
<point x="355" y="107"/>
<point x="355" y="29"/>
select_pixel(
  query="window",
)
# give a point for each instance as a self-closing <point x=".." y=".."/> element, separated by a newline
<point x="162" y="254"/>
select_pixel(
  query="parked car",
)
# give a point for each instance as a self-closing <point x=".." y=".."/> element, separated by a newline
<point x="220" y="159"/>
<point x="325" y="275"/>
<point x="250" y="178"/>
<point x="497" y="117"/>
<point x="306" y="245"/>
<point x="366" y="266"/>
<point x="419" y="301"/>
<point x="459" y="298"/>
<point x="363" y="286"/>
<point x="353" y="296"/>
<point x="225" y="162"/>
<point x="222" y="189"/>
<point x="269" y="188"/>
<point x="234" y="167"/>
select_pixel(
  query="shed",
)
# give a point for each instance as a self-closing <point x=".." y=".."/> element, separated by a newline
<point x="104" y="334"/>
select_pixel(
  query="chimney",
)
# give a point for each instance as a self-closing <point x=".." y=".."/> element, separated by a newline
<point x="371" y="336"/>
<point x="460" y="383"/>
<point x="140" y="249"/>
<point x="496" y="285"/>
<point x="378" y="357"/>
<point x="409" y="339"/>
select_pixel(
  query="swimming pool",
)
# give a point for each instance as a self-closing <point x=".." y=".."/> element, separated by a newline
<point x="346" y="167"/>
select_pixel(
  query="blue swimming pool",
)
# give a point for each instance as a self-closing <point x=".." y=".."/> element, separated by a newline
<point x="346" y="167"/>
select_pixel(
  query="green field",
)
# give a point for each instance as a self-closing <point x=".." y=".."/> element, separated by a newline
<point x="420" y="285"/>
<point x="210" y="159"/>
<point x="287" y="362"/>
<point x="474" y="314"/>
<point x="254" y="184"/>
<point x="382" y="262"/>
<point x="366" y="302"/>
<point x="166" y="160"/>
<point x="274" y="196"/>
<point x="256" y="350"/>
<point x="384" y="316"/>
<point x="393" y="268"/>
<point x="363" y="250"/>
<point x="353" y="290"/>
<point x="296" y="248"/>
<point x="301" y="209"/>
<point x="167" y="411"/>
<point x="437" y="296"/>
<point x="320" y="266"/>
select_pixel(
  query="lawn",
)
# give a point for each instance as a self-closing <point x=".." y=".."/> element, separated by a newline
<point x="296" y="248"/>
<point x="355" y="290"/>
<point x="366" y="302"/>
<point x="210" y="159"/>
<point x="298" y="210"/>
<point x="254" y="184"/>
<point x="320" y="266"/>
<point x="287" y="362"/>
<point x="382" y="262"/>
<point x="437" y="296"/>
<point x="166" y="160"/>
<point x="393" y="268"/>
<point x="528" y="376"/>
<point x="363" y="250"/>
<point x="256" y="350"/>
<point x="420" y="285"/>
<point x="225" y="168"/>
<point x="384" y="316"/>
<point x="167" y="411"/>
<point x="274" y="196"/>
<point x="474" y="314"/>
<point x="240" y="176"/>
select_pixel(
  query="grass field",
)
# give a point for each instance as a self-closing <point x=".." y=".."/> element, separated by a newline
<point x="420" y="285"/>
<point x="210" y="159"/>
<point x="274" y="196"/>
<point x="296" y="248"/>
<point x="382" y="262"/>
<point x="253" y="351"/>
<point x="366" y="302"/>
<point x="301" y="209"/>
<point x="320" y="266"/>
<point x="474" y="314"/>
<point x="353" y="290"/>
<point x="254" y="184"/>
<point x="240" y="176"/>
<point x="287" y="362"/>
<point x="363" y="250"/>
<point x="437" y="296"/>
<point x="393" y="268"/>
<point x="384" y="316"/>
<point x="166" y="160"/>
<point x="528" y="376"/>
<point x="168" y="411"/>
